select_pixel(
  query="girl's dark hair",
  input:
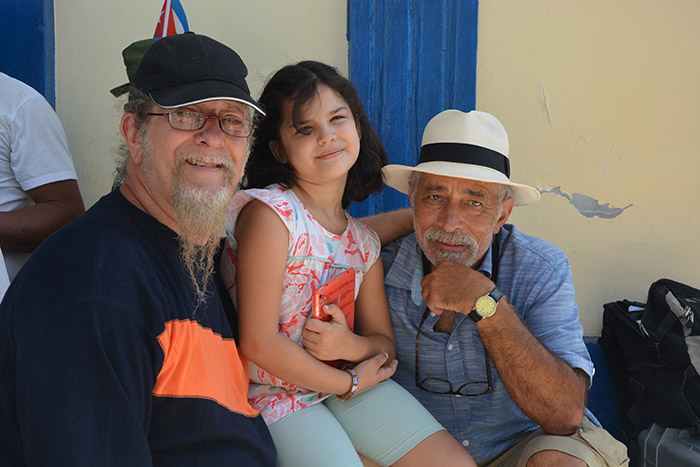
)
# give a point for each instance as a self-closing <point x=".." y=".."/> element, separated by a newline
<point x="300" y="83"/>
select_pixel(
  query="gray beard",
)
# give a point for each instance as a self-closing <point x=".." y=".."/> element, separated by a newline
<point x="436" y="256"/>
<point x="201" y="218"/>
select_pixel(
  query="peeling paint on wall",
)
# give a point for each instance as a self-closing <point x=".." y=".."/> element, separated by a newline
<point x="587" y="206"/>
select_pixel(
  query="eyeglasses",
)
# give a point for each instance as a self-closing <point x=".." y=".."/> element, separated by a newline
<point x="191" y="121"/>
<point x="442" y="386"/>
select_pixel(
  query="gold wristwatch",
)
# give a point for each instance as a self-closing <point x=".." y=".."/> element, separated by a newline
<point x="486" y="306"/>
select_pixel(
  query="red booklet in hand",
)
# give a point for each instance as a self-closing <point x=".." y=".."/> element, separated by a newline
<point x="338" y="291"/>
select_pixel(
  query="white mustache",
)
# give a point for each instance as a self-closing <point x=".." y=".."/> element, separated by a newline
<point x="451" y="238"/>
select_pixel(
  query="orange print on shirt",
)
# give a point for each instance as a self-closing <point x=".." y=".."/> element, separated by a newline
<point x="199" y="363"/>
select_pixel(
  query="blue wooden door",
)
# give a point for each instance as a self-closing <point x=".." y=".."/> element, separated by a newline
<point x="410" y="59"/>
<point x="27" y="50"/>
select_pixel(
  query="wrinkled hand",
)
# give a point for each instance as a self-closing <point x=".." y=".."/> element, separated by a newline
<point x="327" y="340"/>
<point x="374" y="370"/>
<point x="451" y="286"/>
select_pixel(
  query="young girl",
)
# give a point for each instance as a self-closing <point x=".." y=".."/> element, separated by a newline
<point x="288" y="234"/>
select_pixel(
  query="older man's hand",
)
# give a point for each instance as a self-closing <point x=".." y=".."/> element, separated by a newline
<point x="454" y="287"/>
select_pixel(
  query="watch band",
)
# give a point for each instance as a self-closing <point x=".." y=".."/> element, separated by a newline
<point x="496" y="294"/>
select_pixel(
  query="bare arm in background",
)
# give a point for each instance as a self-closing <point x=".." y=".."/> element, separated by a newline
<point x="391" y="225"/>
<point x="57" y="204"/>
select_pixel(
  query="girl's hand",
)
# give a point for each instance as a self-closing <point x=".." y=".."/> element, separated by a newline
<point x="374" y="370"/>
<point x="328" y="340"/>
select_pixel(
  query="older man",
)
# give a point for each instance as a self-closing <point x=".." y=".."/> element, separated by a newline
<point x="485" y="318"/>
<point x="116" y="345"/>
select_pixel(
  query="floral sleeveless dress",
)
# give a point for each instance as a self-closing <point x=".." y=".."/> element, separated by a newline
<point x="314" y="256"/>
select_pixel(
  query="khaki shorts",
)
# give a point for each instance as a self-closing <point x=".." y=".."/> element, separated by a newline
<point x="593" y="445"/>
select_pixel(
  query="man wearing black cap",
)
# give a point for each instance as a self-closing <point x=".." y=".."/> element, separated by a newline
<point x="484" y="316"/>
<point x="117" y="346"/>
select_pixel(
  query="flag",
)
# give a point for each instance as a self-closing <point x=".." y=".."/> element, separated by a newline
<point x="172" y="20"/>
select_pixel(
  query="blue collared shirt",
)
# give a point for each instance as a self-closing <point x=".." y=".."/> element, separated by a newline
<point x="536" y="277"/>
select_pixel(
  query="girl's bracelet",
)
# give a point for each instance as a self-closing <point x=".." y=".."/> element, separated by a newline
<point x="353" y="388"/>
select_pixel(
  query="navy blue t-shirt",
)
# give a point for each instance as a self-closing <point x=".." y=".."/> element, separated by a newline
<point x="105" y="359"/>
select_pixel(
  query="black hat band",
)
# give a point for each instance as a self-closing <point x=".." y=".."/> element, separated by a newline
<point x="464" y="153"/>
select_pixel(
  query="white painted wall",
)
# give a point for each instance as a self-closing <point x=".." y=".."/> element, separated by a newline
<point x="602" y="98"/>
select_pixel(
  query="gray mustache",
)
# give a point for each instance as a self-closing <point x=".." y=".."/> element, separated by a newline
<point x="453" y="238"/>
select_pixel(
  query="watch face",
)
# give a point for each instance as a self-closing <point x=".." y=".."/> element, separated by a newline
<point x="485" y="306"/>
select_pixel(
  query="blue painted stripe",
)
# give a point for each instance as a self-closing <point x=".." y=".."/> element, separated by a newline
<point x="27" y="44"/>
<point x="409" y="61"/>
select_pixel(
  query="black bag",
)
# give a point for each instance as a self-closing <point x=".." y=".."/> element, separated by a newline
<point x="654" y="356"/>
<point x="622" y="341"/>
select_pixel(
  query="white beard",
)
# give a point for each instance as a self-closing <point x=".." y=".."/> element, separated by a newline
<point x="200" y="215"/>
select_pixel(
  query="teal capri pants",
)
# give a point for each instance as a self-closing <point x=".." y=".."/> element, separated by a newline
<point x="383" y="423"/>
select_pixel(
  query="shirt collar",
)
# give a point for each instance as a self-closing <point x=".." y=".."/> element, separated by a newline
<point x="486" y="267"/>
<point x="406" y="271"/>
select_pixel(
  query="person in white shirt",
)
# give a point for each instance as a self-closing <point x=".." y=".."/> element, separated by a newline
<point x="38" y="185"/>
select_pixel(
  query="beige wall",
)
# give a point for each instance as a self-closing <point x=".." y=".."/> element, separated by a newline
<point x="266" y="33"/>
<point x="600" y="100"/>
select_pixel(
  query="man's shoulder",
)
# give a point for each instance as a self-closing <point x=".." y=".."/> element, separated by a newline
<point x="523" y="247"/>
<point x="111" y="223"/>
<point x="102" y="259"/>
<point x="400" y="258"/>
<point x="391" y="250"/>
<point x="14" y="92"/>
<point x="109" y="243"/>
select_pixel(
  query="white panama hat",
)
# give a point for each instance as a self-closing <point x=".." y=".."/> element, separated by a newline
<point x="471" y="145"/>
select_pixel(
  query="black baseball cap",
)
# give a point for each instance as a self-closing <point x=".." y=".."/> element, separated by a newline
<point x="190" y="68"/>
